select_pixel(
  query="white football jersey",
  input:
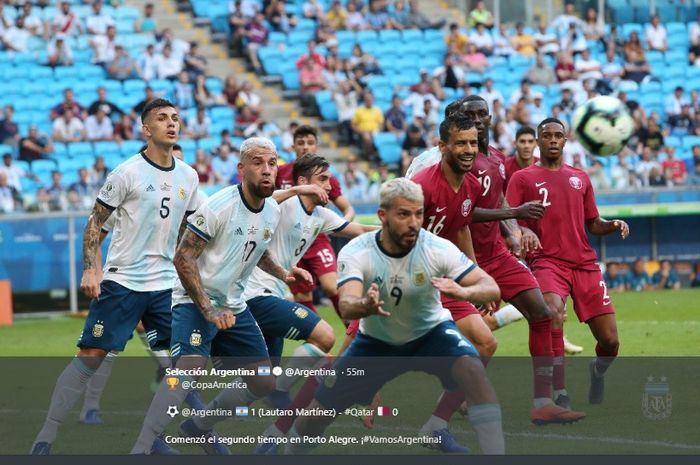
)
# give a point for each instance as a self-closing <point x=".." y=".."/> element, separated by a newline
<point x="237" y="237"/>
<point x="149" y="203"/>
<point x="295" y="234"/>
<point x="428" y="158"/>
<point x="404" y="283"/>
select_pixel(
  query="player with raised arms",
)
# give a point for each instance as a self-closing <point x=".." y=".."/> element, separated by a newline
<point x="224" y="241"/>
<point x="150" y="194"/>
<point x="566" y="263"/>
<point x="392" y="280"/>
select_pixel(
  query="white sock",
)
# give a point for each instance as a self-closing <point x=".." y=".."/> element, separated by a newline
<point x="560" y="392"/>
<point x="157" y="418"/>
<point x="70" y="385"/>
<point x="306" y="357"/>
<point x="540" y="402"/>
<point x="486" y="421"/>
<point x="96" y="385"/>
<point x="227" y="399"/>
<point x="162" y="357"/>
<point x="507" y="315"/>
<point x="300" y="447"/>
<point x="433" y="424"/>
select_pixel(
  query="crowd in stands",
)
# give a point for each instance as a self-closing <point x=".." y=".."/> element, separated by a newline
<point x="642" y="276"/>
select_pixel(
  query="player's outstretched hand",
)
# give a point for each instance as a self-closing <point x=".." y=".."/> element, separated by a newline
<point x="448" y="287"/>
<point x="514" y="244"/>
<point x="529" y="241"/>
<point x="622" y="227"/>
<point x="319" y="194"/>
<point x="372" y="302"/>
<point x="298" y="275"/>
<point x="532" y="210"/>
<point x="90" y="283"/>
<point x="222" y="319"/>
<point x="488" y="309"/>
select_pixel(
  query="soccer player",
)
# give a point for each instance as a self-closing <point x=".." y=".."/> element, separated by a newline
<point x="150" y="194"/>
<point x="320" y="259"/>
<point x="224" y="241"/>
<point x="566" y="263"/>
<point x="392" y="280"/>
<point x="303" y="219"/>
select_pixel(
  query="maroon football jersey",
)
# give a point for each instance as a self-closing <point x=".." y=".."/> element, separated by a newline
<point x="512" y="167"/>
<point x="284" y="181"/>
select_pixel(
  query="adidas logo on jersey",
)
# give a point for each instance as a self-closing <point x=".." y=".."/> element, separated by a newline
<point x="150" y="188"/>
<point x="239" y="232"/>
<point x="297" y="226"/>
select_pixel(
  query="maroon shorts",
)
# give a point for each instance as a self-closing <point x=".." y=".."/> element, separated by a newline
<point x="458" y="308"/>
<point x="511" y="275"/>
<point x="586" y="287"/>
<point x="318" y="260"/>
<point x="352" y="328"/>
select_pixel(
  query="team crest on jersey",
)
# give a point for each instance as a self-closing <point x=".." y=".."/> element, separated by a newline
<point x="466" y="207"/>
<point x="98" y="329"/>
<point x="419" y="278"/>
<point x="301" y="313"/>
<point x="502" y="170"/>
<point x="107" y="191"/>
<point x="267" y="234"/>
<point x="575" y="182"/>
<point x="195" y="339"/>
<point x="182" y="193"/>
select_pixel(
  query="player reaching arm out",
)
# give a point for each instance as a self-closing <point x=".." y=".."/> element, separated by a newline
<point x="601" y="227"/>
<point x="353" y="305"/>
<point x="319" y="194"/>
<point x="293" y="276"/>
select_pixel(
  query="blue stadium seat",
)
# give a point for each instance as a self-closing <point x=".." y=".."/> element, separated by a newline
<point x="4" y="148"/>
<point x="382" y="138"/>
<point x="365" y="37"/>
<point x="629" y="27"/>
<point x="220" y="24"/>
<point x="689" y="141"/>
<point x="106" y="148"/>
<point x="673" y="141"/>
<point x="412" y="36"/>
<point x="90" y="72"/>
<point x="80" y="149"/>
<point x="65" y="73"/>
<point x="188" y="145"/>
<point x="328" y="111"/>
<point x="214" y="85"/>
<point x="345" y="36"/>
<point x="222" y="113"/>
<point x="161" y="85"/>
<point x="299" y="37"/>
<point x="277" y="38"/>
<point x="60" y="150"/>
<point x="389" y="35"/>
<point x="390" y="153"/>
<point x="43" y="166"/>
<point x="130" y="147"/>
<point x="126" y="12"/>
<point x="40" y="73"/>
<point x="290" y="81"/>
<point x="208" y="145"/>
<point x="134" y="86"/>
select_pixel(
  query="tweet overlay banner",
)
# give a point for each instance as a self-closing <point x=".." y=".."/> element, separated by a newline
<point x="650" y="406"/>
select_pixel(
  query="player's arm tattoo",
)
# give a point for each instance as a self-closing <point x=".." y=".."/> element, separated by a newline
<point x="188" y="251"/>
<point x="183" y="227"/>
<point x="92" y="233"/>
<point x="270" y="266"/>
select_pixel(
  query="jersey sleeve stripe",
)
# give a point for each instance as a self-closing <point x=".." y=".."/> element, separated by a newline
<point x="347" y="280"/>
<point x="102" y="202"/>
<point x="464" y="273"/>
<point x="343" y="226"/>
<point x="201" y="234"/>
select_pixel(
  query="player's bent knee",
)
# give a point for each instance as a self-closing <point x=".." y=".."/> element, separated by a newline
<point x="322" y="336"/>
<point x="92" y="356"/>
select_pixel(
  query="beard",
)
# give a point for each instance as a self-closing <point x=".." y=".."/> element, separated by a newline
<point x="262" y="191"/>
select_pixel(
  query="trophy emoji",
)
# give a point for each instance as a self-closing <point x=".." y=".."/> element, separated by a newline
<point x="172" y="382"/>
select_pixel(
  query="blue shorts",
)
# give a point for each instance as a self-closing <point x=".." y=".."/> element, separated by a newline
<point x="282" y="319"/>
<point x="113" y="317"/>
<point x="193" y="335"/>
<point x="434" y="353"/>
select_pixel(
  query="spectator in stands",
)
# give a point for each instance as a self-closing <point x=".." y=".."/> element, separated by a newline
<point x="236" y="21"/>
<point x="682" y="124"/>
<point x="413" y="145"/>
<point x="146" y="23"/>
<point x="592" y="29"/>
<point x="168" y="65"/>
<point x="480" y="15"/>
<point x="224" y="166"/>
<point x="14" y="173"/>
<point x="262" y="128"/>
<point x="288" y="136"/>
<point x="399" y="14"/>
<point x="84" y="190"/>
<point x="657" y="178"/>
<point x="449" y="74"/>
<point x="547" y="42"/>
<point x="417" y="20"/>
<point x="490" y="94"/>
<point x="231" y="89"/>
<point x="41" y="202"/>
<point x="674" y="169"/>
<point x="346" y="104"/>
<point x="562" y="23"/>
<point x="675" y="102"/>
<point x="16" y="38"/>
<point x="179" y="47"/>
<point x="619" y="173"/>
<point x="574" y="41"/>
<point x="636" y="66"/>
<point x="199" y="126"/>
<point x="652" y="135"/>
<point x="354" y="184"/>
<point x="97" y="173"/>
<point x="421" y="92"/>
<point x="695" y="275"/>
<point x="666" y="277"/>
<point x="645" y="165"/>
<point x="98" y="21"/>
<point x="203" y="96"/>
<point x="361" y="58"/>
<point x="426" y="117"/>
<point x="694" y="102"/>
<point x="311" y="81"/>
<point x="611" y="69"/>
<point x="523" y="91"/>
<point x="247" y="98"/>
<point x="574" y="152"/>
<point x="310" y="53"/>
<point x="337" y="15"/>
<point x="655" y="35"/>
<point x="313" y="10"/>
<point x="33" y="23"/>
<point x="367" y="120"/>
<point x="395" y="120"/>
<point x="35" y="146"/>
<point x="146" y="63"/>
<point x="278" y="17"/>
<point x="596" y="173"/>
<point x="615" y="278"/>
<point x="67" y="21"/>
<point x="244" y="118"/>
<point x="59" y="52"/>
<point x="325" y="34"/>
<point x="68" y="128"/>
<point x="355" y="20"/>
<point x="566" y="73"/>
<point x="377" y="178"/>
<point x="537" y="109"/>
<point x="456" y="40"/>
<point x="98" y="127"/>
<point x="225" y="136"/>
<point x="56" y="192"/>
<point x="122" y="66"/>
<point x="332" y="74"/>
<point x="195" y="63"/>
<point x="149" y="95"/>
<point x="9" y="131"/>
<point x="694" y="178"/>
<point x="183" y="92"/>
<point x="203" y="167"/>
<point x="482" y="39"/>
<point x="377" y="17"/>
<point x="474" y="60"/>
<point x="104" y="46"/>
<point x="124" y="129"/>
<point x="638" y="279"/>
<point x="588" y="68"/>
<point x="541" y="73"/>
<point x="257" y="35"/>
<point x="10" y="198"/>
<point x="501" y="40"/>
<point x="522" y="42"/>
<point x="105" y="105"/>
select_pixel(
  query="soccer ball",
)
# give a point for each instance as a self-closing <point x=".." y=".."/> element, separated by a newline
<point x="602" y="125"/>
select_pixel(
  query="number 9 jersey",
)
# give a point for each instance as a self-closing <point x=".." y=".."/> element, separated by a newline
<point x="404" y="283"/>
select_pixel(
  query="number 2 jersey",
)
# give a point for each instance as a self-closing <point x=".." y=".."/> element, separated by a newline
<point x="149" y="203"/>
<point x="404" y="283"/>
<point x="568" y="198"/>
<point x="296" y="232"/>
<point x="237" y="235"/>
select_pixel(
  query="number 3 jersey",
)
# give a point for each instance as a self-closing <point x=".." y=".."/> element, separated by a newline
<point x="404" y="283"/>
<point x="237" y="235"/>
<point x="149" y="203"/>
<point x="568" y="198"/>
<point x="297" y="231"/>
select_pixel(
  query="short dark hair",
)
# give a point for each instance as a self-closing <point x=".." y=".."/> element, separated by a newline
<point x="305" y="130"/>
<point x="550" y="120"/>
<point x="525" y="130"/>
<point x="457" y="122"/>
<point x="154" y="104"/>
<point x="308" y="165"/>
<point x="177" y="147"/>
